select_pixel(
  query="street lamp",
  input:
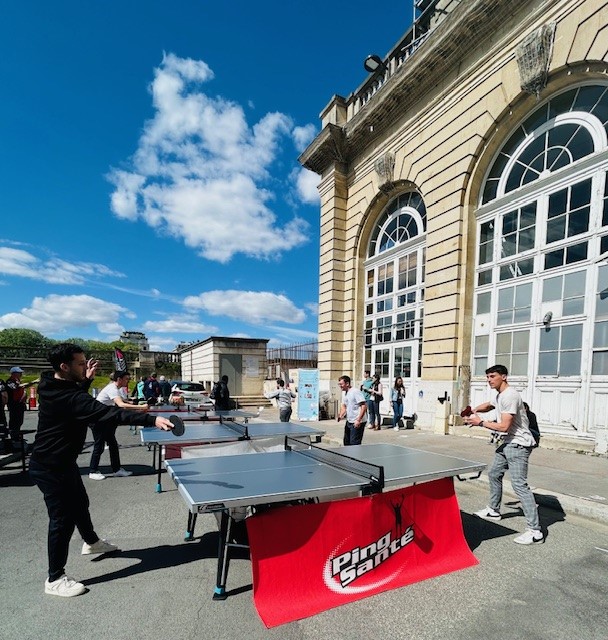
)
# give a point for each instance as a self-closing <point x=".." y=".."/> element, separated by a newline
<point x="373" y="63"/>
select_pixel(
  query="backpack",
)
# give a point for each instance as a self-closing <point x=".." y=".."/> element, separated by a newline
<point x="535" y="431"/>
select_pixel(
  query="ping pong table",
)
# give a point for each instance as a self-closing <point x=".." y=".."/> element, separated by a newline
<point x="220" y="432"/>
<point x="300" y="473"/>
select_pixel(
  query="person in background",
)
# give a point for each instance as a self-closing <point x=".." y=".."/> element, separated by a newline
<point x="353" y="409"/>
<point x="165" y="389"/>
<point x="375" y="418"/>
<point x="284" y="399"/>
<point x="365" y="388"/>
<point x="65" y="411"/>
<point x="138" y="391"/>
<point x="152" y="389"/>
<point x="3" y="423"/>
<point x="16" y="402"/>
<point x="512" y="454"/>
<point x="397" y="398"/>
<point x="113" y="394"/>
<point x="221" y="394"/>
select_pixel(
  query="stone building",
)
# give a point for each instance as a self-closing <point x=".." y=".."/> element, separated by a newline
<point x="243" y="360"/>
<point x="464" y="211"/>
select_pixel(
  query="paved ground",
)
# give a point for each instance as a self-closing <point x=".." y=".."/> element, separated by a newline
<point x="160" y="587"/>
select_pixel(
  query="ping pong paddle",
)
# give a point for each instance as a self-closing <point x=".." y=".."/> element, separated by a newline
<point x="466" y="412"/>
<point x="178" y="425"/>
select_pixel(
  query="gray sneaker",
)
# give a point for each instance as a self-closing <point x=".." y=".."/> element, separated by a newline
<point x="64" y="587"/>
<point x="101" y="546"/>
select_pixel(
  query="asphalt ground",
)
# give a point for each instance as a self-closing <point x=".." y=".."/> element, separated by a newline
<point x="159" y="586"/>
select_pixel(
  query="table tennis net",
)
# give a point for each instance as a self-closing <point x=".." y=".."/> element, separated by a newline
<point x="372" y="472"/>
<point x="240" y="429"/>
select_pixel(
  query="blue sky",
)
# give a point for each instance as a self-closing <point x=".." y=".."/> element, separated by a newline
<point x="148" y="162"/>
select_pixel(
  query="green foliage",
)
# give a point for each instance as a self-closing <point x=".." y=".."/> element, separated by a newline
<point x="24" y="338"/>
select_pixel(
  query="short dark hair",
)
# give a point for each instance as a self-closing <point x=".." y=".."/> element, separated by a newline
<point x="224" y="378"/>
<point x="345" y="378"/>
<point x="280" y="382"/>
<point x="498" y="368"/>
<point x="120" y="374"/>
<point x="63" y="353"/>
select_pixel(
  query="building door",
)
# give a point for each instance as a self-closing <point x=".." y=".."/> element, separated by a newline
<point x="398" y="360"/>
<point x="231" y="365"/>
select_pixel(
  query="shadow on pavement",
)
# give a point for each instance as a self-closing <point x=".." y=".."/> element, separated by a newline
<point x="477" y="530"/>
<point x="164" y="556"/>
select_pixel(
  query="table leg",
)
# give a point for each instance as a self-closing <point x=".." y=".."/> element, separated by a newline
<point x="222" y="557"/>
<point x="159" y="487"/>
<point x="191" y="524"/>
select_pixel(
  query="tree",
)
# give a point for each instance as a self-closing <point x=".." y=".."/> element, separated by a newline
<point x="24" y="338"/>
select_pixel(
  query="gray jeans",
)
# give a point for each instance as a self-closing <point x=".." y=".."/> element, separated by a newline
<point x="513" y="457"/>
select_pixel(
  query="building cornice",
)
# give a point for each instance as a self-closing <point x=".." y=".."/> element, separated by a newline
<point x="466" y="28"/>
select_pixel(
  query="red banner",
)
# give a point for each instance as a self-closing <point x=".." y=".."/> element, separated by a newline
<point x="310" y="558"/>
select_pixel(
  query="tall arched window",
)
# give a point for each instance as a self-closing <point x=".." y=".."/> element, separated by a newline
<point x="394" y="293"/>
<point x="542" y="228"/>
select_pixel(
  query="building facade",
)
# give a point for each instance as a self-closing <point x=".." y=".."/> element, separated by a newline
<point x="464" y="212"/>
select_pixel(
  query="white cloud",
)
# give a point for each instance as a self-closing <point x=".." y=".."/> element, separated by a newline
<point x="178" y="324"/>
<point x="21" y="263"/>
<point x="303" y="136"/>
<point x="162" y="344"/>
<point x="57" y="314"/>
<point x="248" y="306"/>
<point x="200" y="170"/>
<point x="313" y="307"/>
<point x="306" y="185"/>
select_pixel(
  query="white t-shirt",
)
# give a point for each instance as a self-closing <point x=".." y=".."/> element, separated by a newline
<point x="353" y="399"/>
<point x="108" y="393"/>
<point x="509" y="401"/>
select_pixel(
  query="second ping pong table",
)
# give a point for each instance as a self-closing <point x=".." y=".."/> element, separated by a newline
<point x="300" y="472"/>
<point x="220" y="432"/>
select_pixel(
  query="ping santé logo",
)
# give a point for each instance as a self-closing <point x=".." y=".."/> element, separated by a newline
<point x="356" y="562"/>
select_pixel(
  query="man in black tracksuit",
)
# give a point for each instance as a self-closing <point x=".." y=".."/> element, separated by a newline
<point x="65" y="411"/>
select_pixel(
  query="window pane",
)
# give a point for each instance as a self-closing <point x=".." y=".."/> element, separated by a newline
<point x="572" y="336"/>
<point x="521" y="315"/>
<point x="549" y="339"/>
<point x="483" y="302"/>
<point x="484" y="277"/>
<point x="573" y="307"/>
<point x="509" y="222"/>
<point x="552" y="289"/>
<point x="547" y="364"/>
<point x="600" y="364"/>
<point x="505" y="298"/>
<point x="600" y="335"/>
<point x="482" y="345"/>
<point x="503" y="343"/>
<point x="570" y="364"/>
<point x="523" y="295"/>
<point x="574" y="284"/>
<point x="578" y="222"/>
<point x="526" y="239"/>
<point x="519" y="365"/>
<point x="580" y="194"/>
<point x="557" y="203"/>
<point x="521" y="340"/>
<point x="556" y="229"/>
<point x="554" y="259"/>
<point x="504" y="317"/>
<point x="576" y="253"/>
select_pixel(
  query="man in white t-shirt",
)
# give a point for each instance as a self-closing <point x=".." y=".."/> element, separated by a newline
<point x="512" y="454"/>
<point x="113" y="394"/>
<point x="354" y="409"/>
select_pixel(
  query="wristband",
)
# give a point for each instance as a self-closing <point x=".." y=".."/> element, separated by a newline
<point x="481" y="424"/>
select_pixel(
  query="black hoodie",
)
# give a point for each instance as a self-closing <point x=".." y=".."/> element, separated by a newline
<point x="65" y="411"/>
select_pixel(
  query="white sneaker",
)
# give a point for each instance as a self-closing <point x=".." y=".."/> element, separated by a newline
<point x="396" y="428"/>
<point x="121" y="473"/>
<point x="488" y="514"/>
<point x="530" y="536"/>
<point x="65" y="587"/>
<point x="101" y="546"/>
<point x="95" y="475"/>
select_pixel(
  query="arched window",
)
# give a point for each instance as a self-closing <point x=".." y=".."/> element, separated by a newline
<point x="569" y="127"/>
<point x="394" y="292"/>
<point x="403" y="219"/>
<point x="542" y="235"/>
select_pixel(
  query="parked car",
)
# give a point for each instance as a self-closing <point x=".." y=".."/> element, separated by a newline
<point x="192" y="392"/>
